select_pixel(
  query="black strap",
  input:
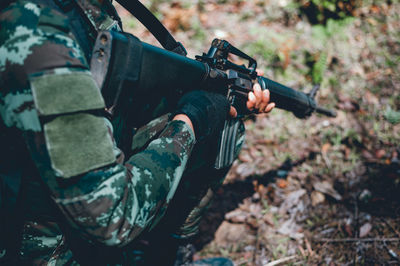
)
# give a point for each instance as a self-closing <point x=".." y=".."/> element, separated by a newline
<point x="153" y="25"/>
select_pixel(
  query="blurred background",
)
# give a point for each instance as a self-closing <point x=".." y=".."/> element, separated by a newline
<point x="321" y="190"/>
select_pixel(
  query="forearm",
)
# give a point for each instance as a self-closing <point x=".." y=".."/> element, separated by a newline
<point x="120" y="201"/>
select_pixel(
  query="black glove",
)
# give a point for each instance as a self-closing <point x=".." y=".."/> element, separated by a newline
<point x="207" y="111"/>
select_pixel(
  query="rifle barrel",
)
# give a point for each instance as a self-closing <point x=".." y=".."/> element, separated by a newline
<point x="287" y="98"/>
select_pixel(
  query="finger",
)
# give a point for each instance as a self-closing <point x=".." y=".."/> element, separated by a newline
<point x="264" y="101"/>
<point x="233" y="112"/>
<point x="258" y="93"/>
<point x="269" y="107"/>
<point x="266" y="96"/>
<point x="262" y="107"/>
<point x="260" y="72"/>
<point x="251" y="102"/>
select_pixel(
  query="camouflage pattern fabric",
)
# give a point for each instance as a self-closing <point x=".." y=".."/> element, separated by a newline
<point x="115" y="202"/>
<point x="110" y="200"/>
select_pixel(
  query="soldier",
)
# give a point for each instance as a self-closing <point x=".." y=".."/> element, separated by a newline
<point x="68" y="194"/>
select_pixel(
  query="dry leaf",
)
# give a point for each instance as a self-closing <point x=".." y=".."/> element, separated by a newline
<point x="178" y="18"/>
<point x="282" y="183"/>
<point x="268" y="218"/>
<point x="365" y="229"/>
<point x="291" y="229"/>
<point x="371" y="98"/>
<point x="291" y="200"/>
<point x="236" y="216"/>
<point x="325" y="148"/>
<point x="317" y="198"/>
<point x="380" y="153"/>
<point x="327" y="188"/>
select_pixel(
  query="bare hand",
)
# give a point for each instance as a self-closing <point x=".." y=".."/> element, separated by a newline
<point x="257" y="99"/>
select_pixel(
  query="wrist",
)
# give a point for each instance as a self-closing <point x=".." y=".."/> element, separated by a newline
<point x="184" y="118"/>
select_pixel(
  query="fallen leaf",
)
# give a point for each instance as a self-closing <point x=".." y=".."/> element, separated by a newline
<point x="375" y="9"/>
<point x="282" y="183"/>
<point x="317" y="198"/>
<point x="348" y="227"/>
<point x="268" y="218"/>
<point x="325" y="148"/>
<point x="371" y="98"/>
<point x="245" y="157"/>
<point x="380" y="153"/>
<point x="291" y="200"/>
<point x="228" y="233"/>
<point x="347" y="152"/>
<point x="365" y="229"/>
<point x="178" y="18"/>
<point x="252" y="222"/>
<point x="327" y="188"/>
<point x="236" y="216"/>
<point x="388" y="71"/>
<point x="291" y="229"/>
<point x="372" y="21"/>
<point x="367" y="155"/>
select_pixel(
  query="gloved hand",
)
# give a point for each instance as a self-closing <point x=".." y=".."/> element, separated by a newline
<point x="206" y="110"/>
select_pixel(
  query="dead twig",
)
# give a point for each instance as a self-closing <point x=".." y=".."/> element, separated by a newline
<point x="391" y="252"/>
<point x="391" y="227"/>
<point x="281" y="260"/>
<point x="309" y="249"/>
<point x="393" y="239"/>
<point x="328" y="162"/>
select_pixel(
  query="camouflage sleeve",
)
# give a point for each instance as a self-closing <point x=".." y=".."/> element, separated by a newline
<point x="49" y="96"/>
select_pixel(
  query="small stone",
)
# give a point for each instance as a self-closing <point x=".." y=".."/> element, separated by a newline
<point x="325" y="123"/>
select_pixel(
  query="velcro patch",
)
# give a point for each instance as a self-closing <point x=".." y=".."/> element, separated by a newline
<point x="65" y="93"/>
<point x="78" y="143"/>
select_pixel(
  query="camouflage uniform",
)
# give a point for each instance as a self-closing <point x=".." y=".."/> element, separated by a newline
<point x="80" y="195"/>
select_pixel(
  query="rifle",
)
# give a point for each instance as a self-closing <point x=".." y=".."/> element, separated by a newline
<point x="129" y="71"/>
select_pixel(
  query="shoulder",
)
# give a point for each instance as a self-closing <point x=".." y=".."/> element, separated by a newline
<point x="30" y="33"/>
<point x="33" y="39"/>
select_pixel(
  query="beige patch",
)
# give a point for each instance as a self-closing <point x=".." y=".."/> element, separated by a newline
<point x="65" y="93"/>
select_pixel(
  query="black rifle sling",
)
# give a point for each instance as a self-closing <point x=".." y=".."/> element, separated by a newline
<point x="137" y="9"/>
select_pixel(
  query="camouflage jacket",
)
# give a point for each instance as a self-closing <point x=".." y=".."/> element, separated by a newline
<point x="54" y="136"/>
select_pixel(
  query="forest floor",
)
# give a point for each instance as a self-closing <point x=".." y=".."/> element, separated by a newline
<point x="315" y="191"/>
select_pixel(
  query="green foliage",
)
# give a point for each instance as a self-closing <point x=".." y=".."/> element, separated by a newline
<point x="392" y="116"/>
<point x="199" y="33"/>
<point x="129" y="23"/>
<point x="320" y="11"/>
<point x="325" y="35"/>
<point x="332" y="29"/>
<point x="326" y="4"/>
<point x="265" y="49"/>
<point x="319" y="68"/>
